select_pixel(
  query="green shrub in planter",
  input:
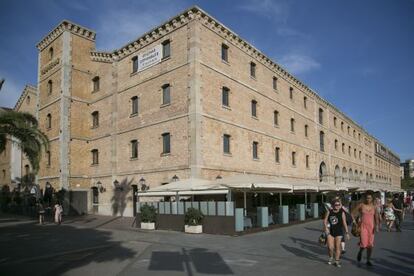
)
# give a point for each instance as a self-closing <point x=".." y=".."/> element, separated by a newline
<point x="148" y="213"/>
<point x="193" y="217"/>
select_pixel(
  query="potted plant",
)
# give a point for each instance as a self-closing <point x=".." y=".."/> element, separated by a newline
<point x="148" y="216"/>
<point x="193" y="221"/>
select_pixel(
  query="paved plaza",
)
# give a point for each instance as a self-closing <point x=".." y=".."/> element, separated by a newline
<point x="96" y="245"/>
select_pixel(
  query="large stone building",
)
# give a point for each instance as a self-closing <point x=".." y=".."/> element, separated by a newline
<point x="189" y="98"/>
<point x="408" y="168"/>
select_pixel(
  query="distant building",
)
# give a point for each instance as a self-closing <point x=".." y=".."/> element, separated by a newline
<point x="402" y="172"/>
<point x="408" y="167"/>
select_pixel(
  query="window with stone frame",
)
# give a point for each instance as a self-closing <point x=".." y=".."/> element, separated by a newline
<point x="225" y="94"/>
<point x="49" y="121"/>
<point x="277" y="155"/>
<point x="166" y="140"/>
<point x="276" y="118"/>
<point x="224" y="52"/>
<point x="95" y="156"/>
<point x="226" y="144"/>
<point x="255" y="150"/>
<point x="134" y="105"/>
<point x="49" y="87"/>
<point x="166" y="94"/>
<point x="166" y="49"/>
<point x="252" y="69"/>
<point x="134" y="61"/>
<point x="95" y="119"/>
<point x="95" y="84"/>
<point x="134" y="149"/>
<point x="274" y="83"/>
<point x="254" y="108"/>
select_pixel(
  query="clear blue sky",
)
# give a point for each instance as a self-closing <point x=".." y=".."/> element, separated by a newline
<point x="359" y="55"/>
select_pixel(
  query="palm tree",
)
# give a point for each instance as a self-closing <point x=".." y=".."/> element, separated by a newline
<point x="24" y="128"/>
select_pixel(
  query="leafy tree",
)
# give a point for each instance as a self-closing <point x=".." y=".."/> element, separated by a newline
<point x="24" y="127"/>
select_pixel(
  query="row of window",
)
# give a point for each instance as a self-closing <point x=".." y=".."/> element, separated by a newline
<point x="336" y="145"/>
<point x="166" y="148"/>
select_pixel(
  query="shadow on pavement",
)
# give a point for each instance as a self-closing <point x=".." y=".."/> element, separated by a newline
<point x="53" y="250"/>
<point x="203" y="261"/>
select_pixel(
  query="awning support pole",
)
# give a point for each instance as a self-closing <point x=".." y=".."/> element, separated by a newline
<point x="306" y="199"/>
<point x="245" y="210"/>
<point x="280" y="199"/>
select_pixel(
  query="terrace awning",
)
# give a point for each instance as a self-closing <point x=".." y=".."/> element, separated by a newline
<point x="255" y="183"/>
<point x="189" y="186"/>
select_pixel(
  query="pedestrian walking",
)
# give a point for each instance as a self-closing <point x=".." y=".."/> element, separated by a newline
<point x="398" y="204"/>
<point x="41" y="212"/>
<point x="58" y="213"/>
<point x="368" y="218"/>
<point x="334" y="226"/>
<point x="389" y="214"/>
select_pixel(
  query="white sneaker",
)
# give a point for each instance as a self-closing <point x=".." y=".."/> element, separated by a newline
<point x="330" y="261"/>
<point x="338" y="263"/>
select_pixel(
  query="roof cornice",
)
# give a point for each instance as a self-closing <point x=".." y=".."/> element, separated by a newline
<point x="66" y="25"/>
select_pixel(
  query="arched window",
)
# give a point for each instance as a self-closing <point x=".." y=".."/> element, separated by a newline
<point x="351" y="175"/>
<point x="166" y="96"/>
<point x="342" y="126"/>
<point x="254" y="108"/>
<point x="291" y="93"/>
<point x="95" y="119"/>
<point x="322" y="141"/>
<point x="292" y="125"/>
<point x="334" y="121"/>
<point x="321" y="116"/>
<point x="26" y="169"/>
<point x="28" y="100"/>
<point x="337" y="174"/>
<point x="276" y="118"/>
<point x="305" y="102"/>
<point x="336" y="144"/>
<point x="343" y="147"/>
<point x="48" y="159"/>
<point x="277" y="155"/>
<point x="51" y="53"/>
<point x="306" y="130"/>
<point x="323" y="172"/>
<point x="49" y="121"/>
<point x="95" y="157"/>
<point x="95" y="83"/>
<point x="49" y="87"/>
<point x="344" y="174"/>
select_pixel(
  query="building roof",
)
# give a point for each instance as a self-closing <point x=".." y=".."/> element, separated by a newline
<point x="27" y="89"/>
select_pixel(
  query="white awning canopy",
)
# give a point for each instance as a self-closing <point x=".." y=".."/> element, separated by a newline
<point x="255" y="183"/>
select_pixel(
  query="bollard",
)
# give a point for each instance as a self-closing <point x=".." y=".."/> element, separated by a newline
<point x="284" y="214"/>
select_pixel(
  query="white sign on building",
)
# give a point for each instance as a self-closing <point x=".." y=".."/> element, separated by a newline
<point x="149" y="58"/>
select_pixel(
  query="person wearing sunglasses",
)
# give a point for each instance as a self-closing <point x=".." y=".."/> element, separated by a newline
<point x="334" y="226"/>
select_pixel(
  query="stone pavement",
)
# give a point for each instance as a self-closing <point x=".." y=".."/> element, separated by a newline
<point x="95" y="245"/>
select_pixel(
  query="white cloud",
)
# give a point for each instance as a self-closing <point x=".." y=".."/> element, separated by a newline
<point x="117" y="27"/>
<point x="277" y="10"/>
<point x="299" y="63"/>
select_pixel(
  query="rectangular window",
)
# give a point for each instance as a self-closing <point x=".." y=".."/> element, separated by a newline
<point x="95" y="157"/>
<point x="291" y="93"/>
<point x="292" y="125"/>
<point x="225" y="52"/>
<point x="226" y="143"/>
<point x="166" y="97"/>
<point x="225" y="96"/>
<point x="95" y="119"/>
<point x="253" y="69"/>
<point x="134" y="64"/>
<point x="307" y="161"/>
<point x="293" y="158"/>
<point x="274" y="83"/>
<point x="306" y="130"/>
<point x="134" y="149"/>
<point x="305" y="102"/>
<point x="321" y="116"/>
<point x="334" y="121"/>
<point x="254" y="108"/>
<point x="166" y="147"/>
<point x="277" y="155"/>
<point x="255" y="148"/>
<point x="134" y="105"/>
<point x="166" y="49"/>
